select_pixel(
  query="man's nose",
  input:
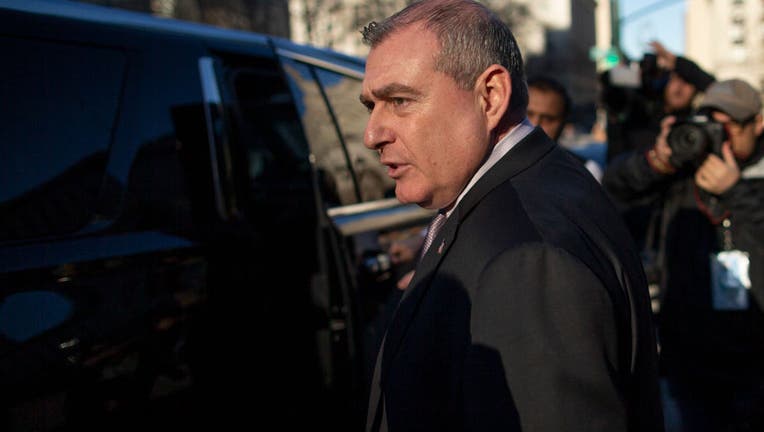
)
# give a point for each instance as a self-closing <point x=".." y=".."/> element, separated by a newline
<point x="533" y="118"/>
<point x="377" y="132"/>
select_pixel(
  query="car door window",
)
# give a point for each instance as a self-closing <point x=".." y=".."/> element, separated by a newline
<point x="342" y="93"/>
<point x="58" y="103"/>
<point x="332" y="158"/>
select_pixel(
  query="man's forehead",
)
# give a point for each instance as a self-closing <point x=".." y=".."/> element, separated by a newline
<point x="412" y="41"/>
<point x="536" y="95"/>
<point x="677" y="80"/>
<point x="403" y="60"/>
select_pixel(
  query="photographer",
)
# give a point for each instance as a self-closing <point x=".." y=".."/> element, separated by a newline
<point x="666" y="85"/>
<point x="709" y="172"/>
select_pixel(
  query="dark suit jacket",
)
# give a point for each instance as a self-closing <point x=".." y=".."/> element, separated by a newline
<point x="529" y="312"/>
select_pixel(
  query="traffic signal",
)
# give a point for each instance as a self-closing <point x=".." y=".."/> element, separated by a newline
<point x="606" y="58"/>
<point x="611" y="57"/>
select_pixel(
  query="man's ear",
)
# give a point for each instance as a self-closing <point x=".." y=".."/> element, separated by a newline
<point x="494" y="88"/>
<point x="759" y="124"/>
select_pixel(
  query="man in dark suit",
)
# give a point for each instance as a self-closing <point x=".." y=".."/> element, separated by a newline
<point x="529" y="311"/>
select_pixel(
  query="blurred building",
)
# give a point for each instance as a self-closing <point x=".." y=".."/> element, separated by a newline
<point x="337" y="24"/>
<point x="264" y="16"/>
<point x="555" y="35"/>
<point x="726" y="37"/>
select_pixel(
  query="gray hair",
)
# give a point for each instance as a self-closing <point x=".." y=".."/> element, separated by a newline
<point x="471" y="37"/>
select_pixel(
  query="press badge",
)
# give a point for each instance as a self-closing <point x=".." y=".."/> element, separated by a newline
<point x="730" y="281"/>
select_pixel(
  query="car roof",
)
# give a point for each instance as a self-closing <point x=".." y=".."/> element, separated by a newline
<point x="77" y="11"/>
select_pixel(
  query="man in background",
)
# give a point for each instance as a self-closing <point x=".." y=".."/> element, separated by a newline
<point x="549" y="106"/>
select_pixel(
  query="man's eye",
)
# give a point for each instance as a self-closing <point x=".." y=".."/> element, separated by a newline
<point x="398" y="102"/>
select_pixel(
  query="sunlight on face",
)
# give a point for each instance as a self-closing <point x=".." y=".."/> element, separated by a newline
<point x="429" y="133"/>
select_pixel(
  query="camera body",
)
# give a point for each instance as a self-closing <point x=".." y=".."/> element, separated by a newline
<point x="634" y="89"/>
<point x="653" y="78"/>
<point x="691" y="139"/>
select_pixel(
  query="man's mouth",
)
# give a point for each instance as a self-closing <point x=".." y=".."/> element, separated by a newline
<point x="395" y="170"/>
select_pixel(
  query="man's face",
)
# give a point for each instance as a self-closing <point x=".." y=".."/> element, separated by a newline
<point x="431" y="134"/>
<point x="545" y="109"/>
<point x="742" y="137"/>
<point x="678" y="94"/>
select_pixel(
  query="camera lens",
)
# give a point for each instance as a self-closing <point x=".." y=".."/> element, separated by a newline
<point x="689" y="143"/>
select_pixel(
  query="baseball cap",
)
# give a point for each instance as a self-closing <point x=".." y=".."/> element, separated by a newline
<point x="735" y="97"/>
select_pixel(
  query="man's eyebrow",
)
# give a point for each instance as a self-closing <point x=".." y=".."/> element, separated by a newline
<point x="395" y="88"/>
<point x="391" y="90"/>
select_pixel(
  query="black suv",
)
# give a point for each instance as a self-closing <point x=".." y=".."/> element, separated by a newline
<point x="191" y="230"/>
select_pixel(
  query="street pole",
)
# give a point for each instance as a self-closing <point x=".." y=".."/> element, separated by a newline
<point x="615" y="26"/>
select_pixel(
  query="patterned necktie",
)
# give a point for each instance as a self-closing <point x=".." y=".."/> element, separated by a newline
<point x="432" y="231"/>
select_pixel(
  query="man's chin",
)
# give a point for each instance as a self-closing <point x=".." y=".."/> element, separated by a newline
<point x="407" y="196"/>
<point x="403" y="199"/>
<point x="403" y="196"/>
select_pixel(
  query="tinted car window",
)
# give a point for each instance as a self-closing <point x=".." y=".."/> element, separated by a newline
<point x="266" y="122"/>
<point x="332" y="158"/>
<point x="267" y="140"/>
<point x="59" y="103"/>
<point x="158" y="149"/>
<point x="342" y="92"/>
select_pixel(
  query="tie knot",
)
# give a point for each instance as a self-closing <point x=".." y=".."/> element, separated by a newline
<point x="432" y="230"/>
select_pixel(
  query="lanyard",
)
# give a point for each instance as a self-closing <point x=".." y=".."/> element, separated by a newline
<point x="727" y="244"/>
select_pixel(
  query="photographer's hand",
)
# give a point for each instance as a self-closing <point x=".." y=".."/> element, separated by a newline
<point x="717" y="175"/>
<point x="658" y="156"/>
<point x="666" y="59"/>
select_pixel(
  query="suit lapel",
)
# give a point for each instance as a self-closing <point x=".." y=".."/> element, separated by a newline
<point x="522" y="156"/>
<point x="525" y="153"/>
<point x="418" y="286"/>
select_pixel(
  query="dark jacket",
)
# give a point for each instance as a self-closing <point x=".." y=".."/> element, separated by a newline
<point x="697" y="340"/>
<point x="529" y="312"/>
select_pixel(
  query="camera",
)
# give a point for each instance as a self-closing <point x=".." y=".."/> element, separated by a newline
<point x="653" y="78"/>
<point x="634" y="89"/>
<point x="645" y="75"/>
<point x="691" y="139"/>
